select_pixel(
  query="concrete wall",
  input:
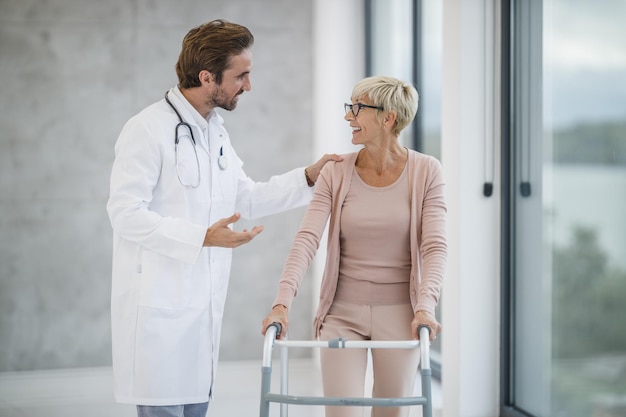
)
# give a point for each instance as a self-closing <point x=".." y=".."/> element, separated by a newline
<point x="72" y="72"/>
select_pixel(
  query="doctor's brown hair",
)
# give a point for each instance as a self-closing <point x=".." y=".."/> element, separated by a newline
<point x="210" y="47"/>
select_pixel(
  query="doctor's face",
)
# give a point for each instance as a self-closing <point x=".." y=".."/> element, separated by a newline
<point x="235" y="80"/>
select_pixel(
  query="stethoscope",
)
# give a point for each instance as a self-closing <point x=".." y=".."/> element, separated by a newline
<point x="222" y="162"/>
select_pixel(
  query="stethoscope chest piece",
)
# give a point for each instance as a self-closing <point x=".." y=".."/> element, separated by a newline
<point x="222" y="162"/>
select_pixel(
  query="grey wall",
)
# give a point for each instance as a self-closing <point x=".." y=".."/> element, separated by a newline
<point x="72" y="72"/>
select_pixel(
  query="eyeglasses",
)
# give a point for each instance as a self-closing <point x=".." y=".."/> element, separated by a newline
<point x="356" y="108"/>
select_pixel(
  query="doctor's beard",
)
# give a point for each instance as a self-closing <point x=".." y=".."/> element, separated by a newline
<point x="219" y="100"/>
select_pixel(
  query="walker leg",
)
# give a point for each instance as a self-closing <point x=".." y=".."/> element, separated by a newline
<point x="284" y="379"/>
<point x="427" y="409"/>
<point x="266" y="375"/>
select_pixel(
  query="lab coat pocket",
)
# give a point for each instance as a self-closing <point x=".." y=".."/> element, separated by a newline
<point x="165" y="282"/>
<point x="227" y="187"/>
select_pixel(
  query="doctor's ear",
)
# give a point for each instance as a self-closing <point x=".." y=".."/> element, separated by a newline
<point x="206" y="77"/>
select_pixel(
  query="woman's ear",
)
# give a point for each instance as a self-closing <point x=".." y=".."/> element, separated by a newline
<point x="390" y="118"/>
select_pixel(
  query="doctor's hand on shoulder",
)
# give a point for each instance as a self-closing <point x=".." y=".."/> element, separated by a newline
<point x="313" y="171"/>
<point x="219" y="234"/>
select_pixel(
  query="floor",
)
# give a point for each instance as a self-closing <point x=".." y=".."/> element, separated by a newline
<point x="87" y="392"/>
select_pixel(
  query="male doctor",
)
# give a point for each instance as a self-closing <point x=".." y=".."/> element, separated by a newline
<point x="177" y="186"/>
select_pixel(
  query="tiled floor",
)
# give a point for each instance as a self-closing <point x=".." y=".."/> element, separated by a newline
<point x="88" y="392"/>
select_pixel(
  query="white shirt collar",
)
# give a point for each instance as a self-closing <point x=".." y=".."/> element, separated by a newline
<point x="189" y="112"/>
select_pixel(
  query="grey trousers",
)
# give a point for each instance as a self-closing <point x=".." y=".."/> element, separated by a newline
<point x="183" y="410"/>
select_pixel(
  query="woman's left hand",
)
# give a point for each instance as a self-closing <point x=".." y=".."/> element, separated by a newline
<point x="424" y="318"/>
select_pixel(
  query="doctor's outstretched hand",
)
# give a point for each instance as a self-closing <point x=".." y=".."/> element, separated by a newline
<point x="219" y="234"/>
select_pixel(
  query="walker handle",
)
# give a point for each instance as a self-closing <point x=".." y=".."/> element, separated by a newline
<point x="277" y="326"/>
<point x="419" y="330"/>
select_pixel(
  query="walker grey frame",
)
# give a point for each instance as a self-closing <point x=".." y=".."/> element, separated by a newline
<point x="267" y="397"/>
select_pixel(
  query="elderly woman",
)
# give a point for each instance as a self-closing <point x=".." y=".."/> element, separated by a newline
<point x="386" y="251"/>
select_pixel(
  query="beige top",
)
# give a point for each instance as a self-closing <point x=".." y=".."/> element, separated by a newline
<point x="375" y="261"/>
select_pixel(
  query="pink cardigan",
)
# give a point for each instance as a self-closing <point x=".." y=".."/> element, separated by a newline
<point x="428" y="234"/>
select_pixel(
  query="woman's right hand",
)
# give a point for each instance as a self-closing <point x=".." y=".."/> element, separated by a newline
<point x="424" y="318"/>
<point x="279" y="314"/>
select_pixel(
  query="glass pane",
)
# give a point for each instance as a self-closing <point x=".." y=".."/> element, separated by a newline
<point x="392" y="24"/>
<point x="392" y="46"/>
<point x="569" y="109"/>
<point x="430" y="69"/>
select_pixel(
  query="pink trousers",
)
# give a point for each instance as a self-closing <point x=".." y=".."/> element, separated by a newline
<point x="343" y="370"/>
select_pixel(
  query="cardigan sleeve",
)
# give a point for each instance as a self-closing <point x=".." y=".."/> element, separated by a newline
<point x="433" y="243"/>
<point x="307" y="239"/>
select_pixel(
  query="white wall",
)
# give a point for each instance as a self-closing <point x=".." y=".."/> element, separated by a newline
<point x="73" y="72"/>
<point x="470" y="309"/>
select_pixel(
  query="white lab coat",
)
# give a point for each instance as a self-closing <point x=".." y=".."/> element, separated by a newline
<point x="168" y="292"/>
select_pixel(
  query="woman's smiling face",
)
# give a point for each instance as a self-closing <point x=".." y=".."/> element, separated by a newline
<point x="366" y="126"/>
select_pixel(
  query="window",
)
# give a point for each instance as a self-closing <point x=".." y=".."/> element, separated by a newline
<point x="565" y="229"/>
<point x="404" y="41"/>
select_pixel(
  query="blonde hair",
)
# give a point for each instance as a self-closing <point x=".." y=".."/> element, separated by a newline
<point x="391" y="94"/>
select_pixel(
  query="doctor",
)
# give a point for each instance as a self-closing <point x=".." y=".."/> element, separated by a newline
<point x="177" y="187"/>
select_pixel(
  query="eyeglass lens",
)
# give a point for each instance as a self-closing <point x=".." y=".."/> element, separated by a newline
<point x="354" y="108"/>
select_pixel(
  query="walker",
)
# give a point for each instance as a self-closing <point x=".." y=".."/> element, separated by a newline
<point x="267" y="397"/>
